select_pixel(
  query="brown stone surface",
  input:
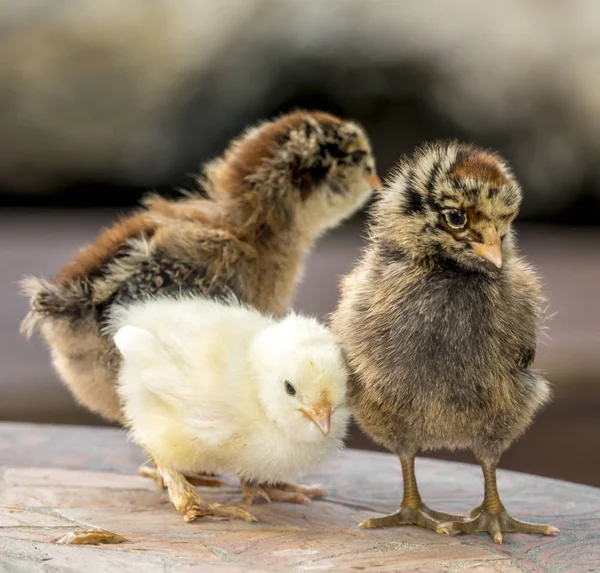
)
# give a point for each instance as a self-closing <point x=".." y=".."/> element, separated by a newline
<point x="56" y="494"/>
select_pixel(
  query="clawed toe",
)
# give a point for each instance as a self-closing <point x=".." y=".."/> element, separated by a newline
<point x="306" y="490"/>
<point x="495" y="524"/>
<point x="249" y="491"/>
<point x="230" y="512"/>
<point x="392" y="520"/>
<point x="421" y="516"/>
<point x="188" y="502"/>
<point x="286" y="492"/>
<point x="217" y="510"/>
<point x="442" y="516"/>
<point x="290" y="497"/>
<point x="293" y="493"/>
<point x="474" y="513"/>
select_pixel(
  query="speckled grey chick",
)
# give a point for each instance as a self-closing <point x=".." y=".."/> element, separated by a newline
<point x="439" y="322"/>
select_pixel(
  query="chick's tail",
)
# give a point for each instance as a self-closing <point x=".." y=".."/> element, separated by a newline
<point x="51" y="301"/>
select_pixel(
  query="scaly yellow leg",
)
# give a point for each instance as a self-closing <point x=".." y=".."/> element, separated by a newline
<point x="188" y="502"/>
<point x="412" y="509"/>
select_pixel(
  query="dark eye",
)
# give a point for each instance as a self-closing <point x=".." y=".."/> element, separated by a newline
<point x="332" y="150"/>
<point x="455" y="218"/>
<point x="289" y="388"/>
<point x="357" y="156"/>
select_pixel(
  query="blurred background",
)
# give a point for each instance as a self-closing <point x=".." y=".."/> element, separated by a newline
<point x="101" y="102"/>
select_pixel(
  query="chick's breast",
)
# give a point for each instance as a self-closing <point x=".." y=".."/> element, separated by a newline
<point x="438" y="357"/>
<point x="271" y="456"/>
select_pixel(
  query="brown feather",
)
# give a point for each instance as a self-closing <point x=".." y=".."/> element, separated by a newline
<point x="248" y="238"/>
<point x="480" y="166"/>
<point x="93" y="256"/>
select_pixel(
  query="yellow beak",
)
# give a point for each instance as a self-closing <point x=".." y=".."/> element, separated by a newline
<point x="320" y="415"/>
<point x="374" y="181"/>
<point x="491" y="247"/>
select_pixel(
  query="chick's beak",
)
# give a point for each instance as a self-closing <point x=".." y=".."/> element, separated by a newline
<point x="491" y="247"/>
<point x="320" y="415"/>
<point x="374" y="181"/>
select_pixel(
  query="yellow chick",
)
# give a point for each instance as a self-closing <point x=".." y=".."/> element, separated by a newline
<point x="217" y="386"/>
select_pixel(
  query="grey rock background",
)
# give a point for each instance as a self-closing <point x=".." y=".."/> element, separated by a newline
<point x="137" y="94"/>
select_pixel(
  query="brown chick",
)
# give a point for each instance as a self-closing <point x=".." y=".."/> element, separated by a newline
<point x="438" y="323"/>
<point x="274" y="191"/>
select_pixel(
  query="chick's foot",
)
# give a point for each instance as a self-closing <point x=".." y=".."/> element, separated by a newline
<point x="412" y="510"/>
<point x="202" y="479"/>
<point x="408" y="515"/>
<point x="288" y="492"/>
<point x="195" y="510"/>
<point x="188" y="502"/>
<point x="491" y="515"/>
<point x="495" y="523"/>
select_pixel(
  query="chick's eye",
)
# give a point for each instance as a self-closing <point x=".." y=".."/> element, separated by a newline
<point x="289" y="388"/>
<point x="455" y="218"/>
<point x="357" y="156"/>
<point x="332" y="150"/>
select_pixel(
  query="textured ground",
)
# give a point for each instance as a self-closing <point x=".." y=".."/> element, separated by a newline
<point x="39" y="504"/>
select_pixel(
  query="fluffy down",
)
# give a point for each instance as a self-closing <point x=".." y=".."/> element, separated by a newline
<point x="439" y="325"/>
<point x="217" y="386"/>
<point x="274" y="191"/>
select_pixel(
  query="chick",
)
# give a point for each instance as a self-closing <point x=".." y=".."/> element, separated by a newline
<point x="438" y="323"/>
<point x="273" y="193"/>
<point x="218" y="386"/>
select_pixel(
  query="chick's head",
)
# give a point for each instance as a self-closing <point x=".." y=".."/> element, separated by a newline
<point x="451" y="201"/>
<point x="301" y="378"/>
<point x="305" y="169"/>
